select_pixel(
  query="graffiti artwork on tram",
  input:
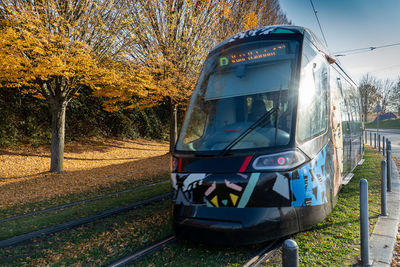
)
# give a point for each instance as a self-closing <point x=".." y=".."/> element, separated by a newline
<point x="306" y="186"/>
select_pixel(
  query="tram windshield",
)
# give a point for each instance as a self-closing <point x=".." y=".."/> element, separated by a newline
<point x="242" y="99"/>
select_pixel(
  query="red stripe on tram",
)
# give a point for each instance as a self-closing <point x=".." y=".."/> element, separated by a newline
<point x="245" y="163"/>
<point x="179" y="164"/>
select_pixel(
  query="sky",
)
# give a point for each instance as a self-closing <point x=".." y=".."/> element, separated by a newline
<point x="353" y="24"/>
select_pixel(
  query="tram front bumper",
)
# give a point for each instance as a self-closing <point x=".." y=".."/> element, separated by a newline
<point x="236" y="226"/>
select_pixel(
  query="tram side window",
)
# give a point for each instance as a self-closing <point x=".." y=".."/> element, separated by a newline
<point x="197" y="124"/>
<point x="343" y="107"/>
<point x="312" y="118"/>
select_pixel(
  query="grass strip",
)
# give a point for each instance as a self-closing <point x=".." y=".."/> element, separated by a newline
<point x="186" y="253"/>
<point x="18" y="210"/>
<point x="76" y="203"/>
<point x="96" y="243"/>
<point x="385" y="124"/>
<point x="336" y="240"/>
<point x="33" y="223"/>
<point x="74" y="223"/>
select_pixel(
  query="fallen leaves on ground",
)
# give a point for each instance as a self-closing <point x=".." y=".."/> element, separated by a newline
<point x="89" y="164"/>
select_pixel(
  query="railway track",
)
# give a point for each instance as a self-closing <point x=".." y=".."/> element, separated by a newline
<point x="68" y="205"/>
<point x="257" y="260"/>
<point x="143" y="252"/>
<point x="74" y="223"/>
<point x="265" y="253"/>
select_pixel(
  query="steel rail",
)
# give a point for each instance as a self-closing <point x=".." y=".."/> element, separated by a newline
<point x="78" y="202"/>
<point x="265" y="253"/>
<point x="143" y="252"/>
<point x="77" y="222"/>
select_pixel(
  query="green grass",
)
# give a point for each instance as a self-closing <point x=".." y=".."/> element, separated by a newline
<point x="97" y="243"/>
<point x="336" y="240"/>
<point x="65" y="199"/>
<point x="32" y="223"/>
<point x="385" y="124"/>
<point x="185" y="253"/>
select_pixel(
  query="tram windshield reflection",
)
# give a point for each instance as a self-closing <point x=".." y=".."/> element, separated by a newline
<point x="236" y="88"/>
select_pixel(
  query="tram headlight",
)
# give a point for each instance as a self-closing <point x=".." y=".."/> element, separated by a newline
<point x="280" y="161"/>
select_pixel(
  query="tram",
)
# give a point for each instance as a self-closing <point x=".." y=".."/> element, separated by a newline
<point x="272" y="131"/>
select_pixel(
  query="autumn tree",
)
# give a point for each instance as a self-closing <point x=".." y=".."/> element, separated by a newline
<point x="370" y="96"/>
<point x="134" y="53"/>
<point x="240" y="15"/>
<point x="395" y="97"/>
<point x="54" y="48"/>
<point x="173" y="37"/>
<point x="385" y="89"/>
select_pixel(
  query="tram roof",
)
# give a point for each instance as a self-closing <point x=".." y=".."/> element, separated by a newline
<point x="269" y="31"/>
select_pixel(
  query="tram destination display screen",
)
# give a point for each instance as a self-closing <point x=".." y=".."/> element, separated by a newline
<point x="253" y="55"/>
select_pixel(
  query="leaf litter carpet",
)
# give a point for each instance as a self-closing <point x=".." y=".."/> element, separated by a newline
<point x="89" y="164"/>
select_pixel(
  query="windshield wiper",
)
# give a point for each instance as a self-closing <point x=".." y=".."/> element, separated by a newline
<point x="247" y="131"/>
<point x="277" y="115"/>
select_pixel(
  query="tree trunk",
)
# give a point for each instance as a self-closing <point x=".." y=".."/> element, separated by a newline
<point x="365" y="108"/>
<point x="57" y="136"/>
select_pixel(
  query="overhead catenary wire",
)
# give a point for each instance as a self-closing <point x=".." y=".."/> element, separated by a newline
<point x="362" y="50"/>
<point x="319" y="24"/>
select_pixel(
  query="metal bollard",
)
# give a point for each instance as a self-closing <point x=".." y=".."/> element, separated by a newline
<point x="364" y="222"/>
<point x="389" y="166"/>
<point x="365" y="137"/>
<point x="379" y="142"/>
<point x="374" y="140"/>
<point x="370" y="138"/>
<point x="383" y="188"/>
<point x="290" y="254"/>
<point x="383" y="145"/>
<point x="387" y="144"/>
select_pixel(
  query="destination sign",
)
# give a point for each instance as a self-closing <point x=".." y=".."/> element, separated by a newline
<point x="252" y="55"/>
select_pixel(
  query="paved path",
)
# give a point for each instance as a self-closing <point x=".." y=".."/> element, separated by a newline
<point x="394" y="136"/>
<point x="385" y="233"/>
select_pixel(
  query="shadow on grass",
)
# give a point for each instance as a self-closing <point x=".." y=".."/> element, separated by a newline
<point x="134" y="167"/>
<point x="105" y="145"/>
<point x="85" y="145"/>
<point x="52" y="189"/>
<point x="10" y="153"/>
<point x="27" y="176"/>
<point x="144" y="142"/>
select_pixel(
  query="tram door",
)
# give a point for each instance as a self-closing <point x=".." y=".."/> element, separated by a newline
<point x="355" y="130"/>
<point x="337" y="132"/>
<point x="346" y="128"/>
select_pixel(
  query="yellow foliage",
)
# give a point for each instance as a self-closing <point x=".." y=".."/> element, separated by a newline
<point x="33" y="55"/>
<point x="151" y="52"/>
<point x="42" y="53"/>
<point x="250" y="21"/>
<point x="226" y="11"/>
<point x="122" y="82"/>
